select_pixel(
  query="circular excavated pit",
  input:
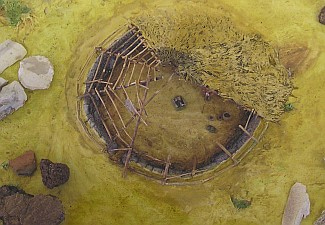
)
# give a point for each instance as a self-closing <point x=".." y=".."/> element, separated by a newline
<point x="152" y="118"/>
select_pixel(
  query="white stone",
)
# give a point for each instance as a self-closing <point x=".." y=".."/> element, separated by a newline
<point x="12" y="97"/>
<point x="10" y="52"/>
<point x="3" y="83"/>
<point x="298" y="205"/>
<point x="36" y="72"/>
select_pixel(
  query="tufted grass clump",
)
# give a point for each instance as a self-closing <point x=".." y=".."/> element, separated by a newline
<point x="4" y="165"/>
<point x="13" y="10"/>
<point x="240" y="203"/>
<point x="288" y="107"/>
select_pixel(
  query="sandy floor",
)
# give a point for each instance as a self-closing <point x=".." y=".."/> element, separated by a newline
<point x="293" y="150"/>
<point x="180" y="134"/>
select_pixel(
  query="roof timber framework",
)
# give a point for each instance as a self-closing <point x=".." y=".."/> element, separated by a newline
<point x="107" y="90"/>
<point x="129" y="51"/>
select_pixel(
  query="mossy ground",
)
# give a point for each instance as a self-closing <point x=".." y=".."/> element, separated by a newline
<point x="13" y="10"/>
<point x="292" y="150"/>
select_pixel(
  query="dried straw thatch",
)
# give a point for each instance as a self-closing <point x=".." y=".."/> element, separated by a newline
<point x="207" y="48"/>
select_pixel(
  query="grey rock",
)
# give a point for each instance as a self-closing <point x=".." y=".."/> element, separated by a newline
<point x="12" y="97"/>
<point x="321" y="219"/>
<point x="298" y="205"/>
<point x="3" y="83"/>
<point x="10" y="52"/>
<point x="36" y="72"/>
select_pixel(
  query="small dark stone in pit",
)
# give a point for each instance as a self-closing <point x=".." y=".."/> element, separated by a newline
<point x="179" y="102"/>
<point x="321" y="16"/>
<point x="211" y="129"/>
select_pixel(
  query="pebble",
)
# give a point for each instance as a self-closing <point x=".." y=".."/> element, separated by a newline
<point x="24" y="164"/>
<point x="12" y="97"/>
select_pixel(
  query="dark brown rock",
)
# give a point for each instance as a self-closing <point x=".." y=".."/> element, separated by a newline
<point x="44" y="210"/>
<point x="321" y="16"/>
<point x="54" y="174"/>
<point x="14" y="208"/>
<point x="24" y="164"/>
<point x="19" y="208"/>
<point x="6" y="191"/>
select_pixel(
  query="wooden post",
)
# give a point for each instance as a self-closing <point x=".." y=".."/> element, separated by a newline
<point x="246" y="132"/>
<point x="128" y="156"/>
<point x="249" y="118"/>
<point x="166" y="169"/>
<point x="227" y="152"/>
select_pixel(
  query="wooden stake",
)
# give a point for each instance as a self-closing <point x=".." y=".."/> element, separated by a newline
<point x="123" y="103"/>
<point x="115" y="32"/>
<point x="109" y="115"/>
<point x="119" y="77"/>
<point x="249" y="118"/>
<point x="119" y="149"/>
<point x="246" y="132"/>
<point x="111" y="75"/>
<point x="166" y="169"/>
<point x="128" y="156"/>
<point x="194" y="166"/>
<point x="127" y="41"/>
<point x="131" y="73"/>
<point x="133" y="57"/>
<point x="227" y="152"/>
<point x="129" y="53"/>
<point x="94" y="78"/>
<point x="103" y="122"/>
<point x="135" y="41"/>
<point x="127" y="69"/>
<point x="116" y="109"/>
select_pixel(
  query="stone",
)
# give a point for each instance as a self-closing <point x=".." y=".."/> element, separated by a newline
<point x="3" y="83"/>
<point x="321" y="219"/>
<point x="321" y="16"/>
<point x="54" y="174"/>
<point x="298" y="205"/>
<point x="44" y="210"/>
<point x="179" y="102"/>
<point x="36" y="72"/>
<point x="20" y="208"/>
<point x="12" y="97"/>
<point x="10" y="52"/>
<point x="24" y="164"/>
<point x="8" y="190"/>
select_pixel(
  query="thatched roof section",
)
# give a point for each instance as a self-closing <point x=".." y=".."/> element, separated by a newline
<point x="208" y="48"/>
